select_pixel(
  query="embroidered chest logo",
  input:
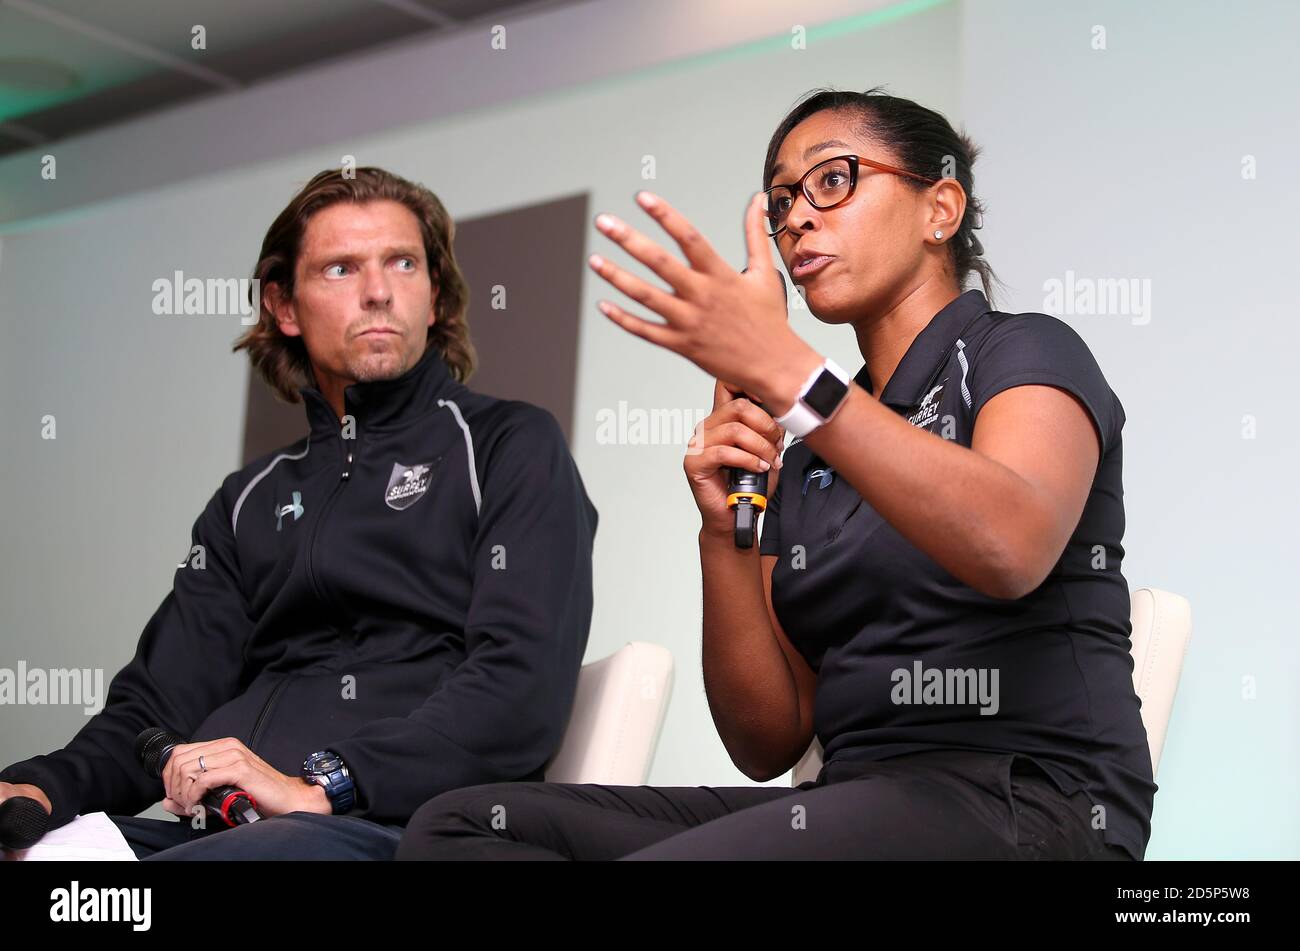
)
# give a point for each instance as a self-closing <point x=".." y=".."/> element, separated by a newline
<point x="293" y="508"/>
<point x="928" y="411"/>
<point x="407" y="484"/>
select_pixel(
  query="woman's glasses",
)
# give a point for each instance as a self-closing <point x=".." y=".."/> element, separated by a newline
<point x="825" y="185"/>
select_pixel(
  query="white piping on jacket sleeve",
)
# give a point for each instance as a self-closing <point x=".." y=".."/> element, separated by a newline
<point x="239" y="503"/>
<point x="469" y="453"/>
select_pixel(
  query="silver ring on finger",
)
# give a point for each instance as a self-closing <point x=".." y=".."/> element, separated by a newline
<point x="202" y="766"/>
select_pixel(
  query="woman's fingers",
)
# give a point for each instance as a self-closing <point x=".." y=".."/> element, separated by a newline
<point x="738" y="434"/>
<point x="752" y="416"/>
<point x="694" y="245"/>
<point x="748" y="409"/>
<point x="724" y="392"/>
<point x="638" y="326"/>
<point x="719" y="457"/>
<point x="662" y="303"/>
<point x="723" y="432"/>
<point x="758" y="243"/>
<point x="649" y="253"/>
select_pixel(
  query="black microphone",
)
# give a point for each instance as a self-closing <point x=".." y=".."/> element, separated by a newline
<point x="746" y="497"/>
<point x="153" y="747"/>
<point x="23" y="821"/>
<point x="746" y="490"/>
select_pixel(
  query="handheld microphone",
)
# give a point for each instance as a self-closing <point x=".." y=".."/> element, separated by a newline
<point x="153" y="747"/>
<point x="746" y="497"/>
<point x="23" y="821"/>
<point x="746" y="490"/>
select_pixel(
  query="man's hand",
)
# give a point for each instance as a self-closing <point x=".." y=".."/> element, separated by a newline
<point x="9" y="790"/>
<point x="230" y="763"/>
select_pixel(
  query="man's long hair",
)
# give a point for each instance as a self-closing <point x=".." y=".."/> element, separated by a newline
<point x="282" y="361"/>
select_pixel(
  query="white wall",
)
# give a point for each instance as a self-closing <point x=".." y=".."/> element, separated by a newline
<point x="1127" y="163"/>
<point x="1123" y="163"/>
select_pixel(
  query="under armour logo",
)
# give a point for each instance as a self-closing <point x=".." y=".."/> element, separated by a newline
<point x="825" y="475"/>
<point x="282" y="510"/>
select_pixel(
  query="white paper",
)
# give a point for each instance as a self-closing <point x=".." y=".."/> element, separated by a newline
<point x="89" y="838"/>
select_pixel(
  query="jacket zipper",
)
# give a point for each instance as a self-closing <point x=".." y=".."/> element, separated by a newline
<point x="266" y="708"/>
<point x="344" y="478"/>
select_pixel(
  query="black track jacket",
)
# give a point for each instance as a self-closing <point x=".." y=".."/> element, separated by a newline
<point x="416" y="598"/>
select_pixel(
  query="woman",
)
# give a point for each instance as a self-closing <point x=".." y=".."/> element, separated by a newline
<point x="947" y="615"/>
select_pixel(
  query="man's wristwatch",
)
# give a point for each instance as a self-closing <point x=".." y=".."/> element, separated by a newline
<point x="822" y="394"/>
<point x="326" y="769"/>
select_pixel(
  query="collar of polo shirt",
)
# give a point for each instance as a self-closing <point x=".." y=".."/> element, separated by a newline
<point x="929" y="351"/>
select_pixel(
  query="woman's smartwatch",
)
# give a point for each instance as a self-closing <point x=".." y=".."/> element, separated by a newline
<point x="822" y="394"/>
<point x="326" y="770"/>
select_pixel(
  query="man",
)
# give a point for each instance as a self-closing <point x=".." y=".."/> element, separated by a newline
<point x="395" y="606"/>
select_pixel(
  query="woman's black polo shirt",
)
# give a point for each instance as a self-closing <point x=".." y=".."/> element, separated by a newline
<point x="911" y="659"/>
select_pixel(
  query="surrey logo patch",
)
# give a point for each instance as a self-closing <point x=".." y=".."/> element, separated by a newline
<point x="407" y="484"/>
<point x="928" y="411"/>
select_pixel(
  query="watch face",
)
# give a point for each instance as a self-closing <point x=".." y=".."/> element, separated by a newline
<point x="825" y="394"/>
<point x="321" y="764"/>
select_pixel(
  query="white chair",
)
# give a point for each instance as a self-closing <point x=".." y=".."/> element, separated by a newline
<point x="1162" y="627"/>
<point x="617" y="716"/>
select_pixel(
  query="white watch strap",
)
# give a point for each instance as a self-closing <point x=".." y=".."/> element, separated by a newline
<point x="802" y="420"/>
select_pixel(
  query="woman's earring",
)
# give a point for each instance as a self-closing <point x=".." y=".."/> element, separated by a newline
<point x="938" y="236"/>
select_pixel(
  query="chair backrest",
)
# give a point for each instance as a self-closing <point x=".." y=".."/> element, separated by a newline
<point x="1162" y="628"/>
<point x="617" y="715"/>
